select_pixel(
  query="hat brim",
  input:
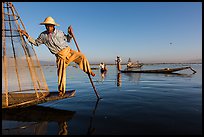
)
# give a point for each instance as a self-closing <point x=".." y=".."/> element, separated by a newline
<point x="43" y="23"/>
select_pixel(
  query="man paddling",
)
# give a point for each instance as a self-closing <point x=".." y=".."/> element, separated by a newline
<point x="56" y="41"/>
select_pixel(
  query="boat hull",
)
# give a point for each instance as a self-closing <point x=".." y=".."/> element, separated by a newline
<point x="165" y="70"/>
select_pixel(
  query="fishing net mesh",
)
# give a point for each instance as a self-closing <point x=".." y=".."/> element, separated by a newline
<point x="22" y="76"/>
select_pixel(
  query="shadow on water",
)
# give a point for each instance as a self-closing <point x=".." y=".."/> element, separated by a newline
<point x="34" y="120"/>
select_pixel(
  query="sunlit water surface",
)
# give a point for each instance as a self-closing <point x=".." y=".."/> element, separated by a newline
<point x="132" y="103"/>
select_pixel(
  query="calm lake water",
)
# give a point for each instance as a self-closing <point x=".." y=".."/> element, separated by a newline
<point x="133" y="103"/>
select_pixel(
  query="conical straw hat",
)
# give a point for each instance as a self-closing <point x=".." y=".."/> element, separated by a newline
<point x="49" y="20"/>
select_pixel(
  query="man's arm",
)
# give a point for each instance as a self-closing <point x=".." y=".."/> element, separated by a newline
<point x="30" y="39"/>
<point x="69" y="35"/>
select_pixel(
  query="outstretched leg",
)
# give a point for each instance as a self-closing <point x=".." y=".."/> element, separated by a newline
<point x="81" y="60"/>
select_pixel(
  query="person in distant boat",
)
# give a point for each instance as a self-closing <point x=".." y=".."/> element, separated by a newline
<point x="129" y="64"/>
<point x="118" y="61"/>
<point x="103" y="67"/>
<point x="56" y="41"/>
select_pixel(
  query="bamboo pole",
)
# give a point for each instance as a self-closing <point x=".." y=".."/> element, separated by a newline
<point x="4" y="57"/>
<point x="14" y="52"/>
<point x="88" y="73"/>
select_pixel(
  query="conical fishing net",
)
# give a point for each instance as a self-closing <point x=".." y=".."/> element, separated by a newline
<point x="23" y="80"/>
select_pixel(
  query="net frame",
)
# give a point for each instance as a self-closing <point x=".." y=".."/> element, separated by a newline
<point x="23" y="80"/>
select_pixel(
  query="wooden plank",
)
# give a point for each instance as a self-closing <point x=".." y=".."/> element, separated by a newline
<point x="52" y="96"/>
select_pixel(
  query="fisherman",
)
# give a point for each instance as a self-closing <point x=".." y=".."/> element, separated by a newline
<point x="56" y="41"/>
<point x="118" y="61"/>
<point x="129" y="64"/>
<point x="103" y="67"/>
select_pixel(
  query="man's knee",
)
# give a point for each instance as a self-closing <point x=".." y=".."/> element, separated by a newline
<point x="82" y="55"/>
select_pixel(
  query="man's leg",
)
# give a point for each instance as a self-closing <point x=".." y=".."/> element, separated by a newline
<point x="81" y="60"/>
<point x="61" y="71"/>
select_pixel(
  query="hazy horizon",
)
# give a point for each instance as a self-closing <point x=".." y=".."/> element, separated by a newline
<point x="44" y="62"/>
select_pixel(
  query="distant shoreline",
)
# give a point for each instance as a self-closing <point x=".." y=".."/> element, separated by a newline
<point x="149" y="63"/>
<point x="53" y="63"/>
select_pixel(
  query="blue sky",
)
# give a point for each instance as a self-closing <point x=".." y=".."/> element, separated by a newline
<point x="140" y="30"/>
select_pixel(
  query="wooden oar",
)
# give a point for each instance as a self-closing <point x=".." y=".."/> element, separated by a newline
<point x="88" y="73"/>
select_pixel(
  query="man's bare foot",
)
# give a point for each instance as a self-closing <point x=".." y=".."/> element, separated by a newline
<point x="93" y="74"/>
<point x="61" y="94"/>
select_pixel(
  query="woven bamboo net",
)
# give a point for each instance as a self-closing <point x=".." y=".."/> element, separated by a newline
<point x="23" y="80"/>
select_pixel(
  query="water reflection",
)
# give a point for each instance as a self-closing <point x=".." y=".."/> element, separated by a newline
<point x="63" y="126"/>
<point x="34" y="120"/>
<point x="133" y="76"/>
<point x="91" y="129"/>
<point x="136" y="77"/>
<point x="103" y="75"/>
<point x="173" y="74"/>
<point x="179" y="75"/>
<point x="119" y="81"/>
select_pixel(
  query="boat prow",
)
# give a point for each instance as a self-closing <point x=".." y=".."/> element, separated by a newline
<point x="52" y="96"/>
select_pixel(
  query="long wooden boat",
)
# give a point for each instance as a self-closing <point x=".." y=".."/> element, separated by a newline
<point x="165" y="70"/>
<point x="52" y="96"/>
